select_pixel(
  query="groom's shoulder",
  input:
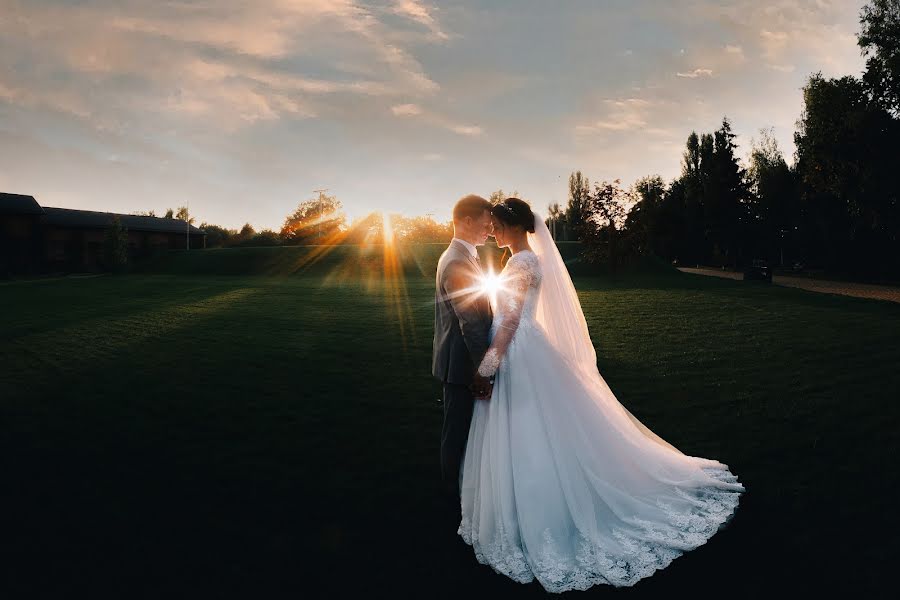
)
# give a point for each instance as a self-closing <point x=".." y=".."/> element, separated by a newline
<point x="451" y="252"/>
<point x="451" y="258"/>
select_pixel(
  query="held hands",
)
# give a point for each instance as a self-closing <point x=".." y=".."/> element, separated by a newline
<point x="483" y="382"/>
<point x="481" y="387"/>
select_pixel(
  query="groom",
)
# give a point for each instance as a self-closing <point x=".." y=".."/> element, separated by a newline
<point x="462" y="322"/>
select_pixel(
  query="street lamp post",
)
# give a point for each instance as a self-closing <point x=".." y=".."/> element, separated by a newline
<point x="321" y="215"/>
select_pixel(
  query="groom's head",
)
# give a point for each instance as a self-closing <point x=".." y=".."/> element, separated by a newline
<point x="472" y="219"/>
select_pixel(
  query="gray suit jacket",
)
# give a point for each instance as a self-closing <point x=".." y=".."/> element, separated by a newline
<point x="462" y="318"/>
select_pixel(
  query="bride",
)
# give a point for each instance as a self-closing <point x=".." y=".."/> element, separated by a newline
<point x="560" y="483"/>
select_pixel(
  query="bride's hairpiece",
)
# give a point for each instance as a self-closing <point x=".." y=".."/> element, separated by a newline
<point x="501" y="210"/>
<point x="515" y="212"/>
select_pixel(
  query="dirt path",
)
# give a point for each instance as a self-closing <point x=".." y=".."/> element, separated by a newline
<point x="845" y="288"/>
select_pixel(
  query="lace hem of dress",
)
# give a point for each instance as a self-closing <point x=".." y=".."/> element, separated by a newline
<point x="656" y="546"/>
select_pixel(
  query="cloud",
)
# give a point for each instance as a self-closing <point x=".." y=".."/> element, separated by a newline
<point x="472" y="130"/>
<point x="622" y="115"/>
<point x="435" y="119"/>
<point x="735" y="50"/>
<point x="418" y="12"/>
<point x="773" y="43"/>
<point x="262" y="99"/>
<point x="232" y="62"/>
<point x="817" y="33"/>
<point x="695" y="73"/>
<point x="403" y="110"/>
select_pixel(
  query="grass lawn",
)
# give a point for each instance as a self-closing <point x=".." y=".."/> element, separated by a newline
<point x="176" y="432"/>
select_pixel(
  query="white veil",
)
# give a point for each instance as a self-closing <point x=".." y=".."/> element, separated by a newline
<point x="559" y="313"/>
<point x="558" y="308"/>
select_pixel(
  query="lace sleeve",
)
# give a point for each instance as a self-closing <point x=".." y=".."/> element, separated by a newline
<point x="515" y="282"/>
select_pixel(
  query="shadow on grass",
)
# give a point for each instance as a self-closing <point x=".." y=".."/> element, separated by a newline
<point x="287" y="444"/>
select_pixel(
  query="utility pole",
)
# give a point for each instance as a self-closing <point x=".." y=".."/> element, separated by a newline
<point x="187" y="221"/>
<point x="553" y="225"/>
<point x="319" y="226"/>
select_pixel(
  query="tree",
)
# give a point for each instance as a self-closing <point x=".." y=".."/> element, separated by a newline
<point x="705" y="210"/>
<point x="846" y="163"/>
<point x="642" y="224"/>
<point x="115" y="247"/>
<point x="671" y="228"/>
<point x="169" y="214"/>
<point x="314" y="221"/>
<point x="266" y="237"/>
<point x="725" y="195"/>
<point x="248" y="236"/>
<point x="879" y="39"/>
<point x="578" y="208"/>
<point x="690" y="166"/>
<point x="607" y="207"/>
<point x="696" y="160"/>
<point x="365" y="230"/>
<point x="416" y="230"/>
<point x="773" y="216"/>
<point x="245" y="233"/>
<point x="216" y="236"/>
<point x="183" y="215"/>
<point x="828" y="144"/>
<point x="420" y="229"/>
<point x="499" y="196"/>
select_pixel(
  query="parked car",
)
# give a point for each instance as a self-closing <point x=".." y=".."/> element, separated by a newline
<point x="758" y="270"/>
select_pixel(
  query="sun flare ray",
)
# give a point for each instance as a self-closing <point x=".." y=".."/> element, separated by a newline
<point x="395" y="283"/>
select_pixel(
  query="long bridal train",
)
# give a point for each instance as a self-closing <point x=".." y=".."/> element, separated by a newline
<point x="560" y="482"/>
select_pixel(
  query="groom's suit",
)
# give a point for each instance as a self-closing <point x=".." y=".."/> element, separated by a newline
<point x="462" y="323"/>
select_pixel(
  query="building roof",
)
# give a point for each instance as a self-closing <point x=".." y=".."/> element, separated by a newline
<point x="19" y="204"/>
<point x="90" y="219"/>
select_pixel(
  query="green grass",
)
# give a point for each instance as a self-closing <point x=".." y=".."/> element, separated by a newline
<point x="182" y="430"/>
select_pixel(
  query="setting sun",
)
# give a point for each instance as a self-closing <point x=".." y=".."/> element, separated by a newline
<point x="491" y="284"/>
<point x="388" y="228"/>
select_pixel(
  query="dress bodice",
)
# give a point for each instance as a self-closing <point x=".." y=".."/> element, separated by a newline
<point x="520" y="288"/>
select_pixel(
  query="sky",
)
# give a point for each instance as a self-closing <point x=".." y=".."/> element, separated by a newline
<point x="242" y="108"/>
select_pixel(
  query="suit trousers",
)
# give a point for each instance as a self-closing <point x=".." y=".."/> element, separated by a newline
<point x="458" y="406"/>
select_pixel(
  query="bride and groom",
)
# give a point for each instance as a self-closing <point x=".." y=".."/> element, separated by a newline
<point x="555" y="479"/>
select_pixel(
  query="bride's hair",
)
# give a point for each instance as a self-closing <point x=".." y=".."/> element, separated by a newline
<point x="513" y="211"/>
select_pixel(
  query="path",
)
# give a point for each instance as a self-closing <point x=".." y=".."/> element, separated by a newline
<point x="845" y="288"/>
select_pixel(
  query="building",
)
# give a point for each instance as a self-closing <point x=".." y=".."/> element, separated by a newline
<point x="36" y="239"/>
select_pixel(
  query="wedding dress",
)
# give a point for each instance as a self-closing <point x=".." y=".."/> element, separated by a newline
<point x="560" y="482"/>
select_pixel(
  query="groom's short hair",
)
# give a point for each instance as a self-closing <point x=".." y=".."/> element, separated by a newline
<point x="470" y="206"/>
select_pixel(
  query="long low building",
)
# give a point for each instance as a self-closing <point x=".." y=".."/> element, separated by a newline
<point x="36" y="239"/>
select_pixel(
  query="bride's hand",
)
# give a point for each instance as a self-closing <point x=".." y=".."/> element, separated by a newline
<point x="481" y="387"/>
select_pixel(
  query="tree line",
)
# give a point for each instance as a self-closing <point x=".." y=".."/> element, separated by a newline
<point x="323" y="220"/>
<point x="834" y="208"/>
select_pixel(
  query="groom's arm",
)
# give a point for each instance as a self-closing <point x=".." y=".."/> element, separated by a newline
<point x="463" y="291"/>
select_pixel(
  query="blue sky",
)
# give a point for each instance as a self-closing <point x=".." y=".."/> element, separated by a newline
<point x="243" y="108"/>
